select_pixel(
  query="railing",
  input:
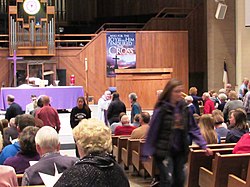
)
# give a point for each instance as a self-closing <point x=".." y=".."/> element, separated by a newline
<point x="170" y="13"/>
<point x="120" y="27"/>
<point x="173" y="12"/>
<point x="4" y="40"/>
<point x="62" y="40"/>
<point x="73" y="40"/>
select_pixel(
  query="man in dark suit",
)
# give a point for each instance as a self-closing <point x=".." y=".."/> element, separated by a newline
<point x="14" y="108"/>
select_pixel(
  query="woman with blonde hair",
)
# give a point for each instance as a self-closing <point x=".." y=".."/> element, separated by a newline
<point x="96" y="166"/>
<point x="196" y="99"/>
<point x="206" y="125"/>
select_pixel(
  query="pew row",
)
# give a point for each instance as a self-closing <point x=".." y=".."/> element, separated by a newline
<point x="224" y="165"/>
<point x="136" y="156"/>
<point x="233" y="180"/>
<point x="214" y="146"/>
<point x="197" y="159"/>
<point x="150" y="166"/>
<point x="118" y="143"/>
<point x="19" y="179"/>
<point x="126" y="154"/>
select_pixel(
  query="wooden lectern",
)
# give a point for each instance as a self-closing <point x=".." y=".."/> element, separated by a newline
<point x="144" y="82"/>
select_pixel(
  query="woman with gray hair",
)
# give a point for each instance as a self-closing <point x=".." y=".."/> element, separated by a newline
<point x="223" y="99"/>
<point x="96" y="166"/>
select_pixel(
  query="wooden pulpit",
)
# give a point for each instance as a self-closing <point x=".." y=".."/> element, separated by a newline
<point x="144" y="82"/>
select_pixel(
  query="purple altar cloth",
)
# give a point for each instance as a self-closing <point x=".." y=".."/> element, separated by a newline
<point x="62" y="97"/>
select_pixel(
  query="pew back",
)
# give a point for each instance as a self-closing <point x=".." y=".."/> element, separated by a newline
<point x="224" y="165"/>
<point x="126" y="154"/>
<point x="197" y="159"/>
<point x="214" y="146"/>
<point x="233" y="180"/>
<point x="119" y="143"/>
<point x="136" y="156"/>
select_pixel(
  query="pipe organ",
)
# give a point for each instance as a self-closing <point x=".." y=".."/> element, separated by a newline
<point x="32" y="28"/>
<point x="3" y="6"/>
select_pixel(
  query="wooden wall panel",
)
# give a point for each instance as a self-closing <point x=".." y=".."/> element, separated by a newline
<point x="84" y="11"/>
<point x="4" y="70"/>
<point x="154" y="49"/>
<point x="164" y="49"/>
<point x="111" y="8"/>
<point x="144" y="82"/>
<point x="196" y="25"/>
<point x="95" y="52"/>
<point x="69" y="59"/>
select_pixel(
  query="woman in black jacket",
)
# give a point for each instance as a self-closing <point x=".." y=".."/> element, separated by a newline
<point x="79" y="112"/>
<point x="238" y="118"/>
<point x="115" y="108"/>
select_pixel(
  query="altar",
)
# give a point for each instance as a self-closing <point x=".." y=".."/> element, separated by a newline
<point x="62" y="97"/>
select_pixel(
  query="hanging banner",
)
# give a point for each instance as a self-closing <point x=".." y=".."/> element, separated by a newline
<point x="121" y="52"/>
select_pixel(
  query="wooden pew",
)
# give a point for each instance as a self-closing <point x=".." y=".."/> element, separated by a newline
<point x="214" y="146"/>
<point x="136" y="156"/>
<point x="19" y="179"/>
<point x="119" y="143"/>
<point x="126" y="155"/>
<point x="223" y="166"/>
<point x="197" y="159"/>
<point x="234" y="180"/>
<point x="150" y="166"/>
<point x="223" y="140"/>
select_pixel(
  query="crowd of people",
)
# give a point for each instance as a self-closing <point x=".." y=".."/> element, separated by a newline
<point x="176" y="123"/>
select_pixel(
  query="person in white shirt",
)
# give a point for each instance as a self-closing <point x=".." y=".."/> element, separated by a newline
<point x="103" y="104"/>
<point x="31" y="106"/>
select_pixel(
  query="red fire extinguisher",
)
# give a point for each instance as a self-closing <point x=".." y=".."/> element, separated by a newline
<point x="72" y="80"/>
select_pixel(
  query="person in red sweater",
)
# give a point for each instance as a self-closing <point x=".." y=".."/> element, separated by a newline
<point x="208" y="104"/>
<point x="126" y="128"/>
<point x="243" y="145"/>
<point x="48" y="114"/>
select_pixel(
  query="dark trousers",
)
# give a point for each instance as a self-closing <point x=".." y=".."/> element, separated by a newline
<point x="172" y="172"/>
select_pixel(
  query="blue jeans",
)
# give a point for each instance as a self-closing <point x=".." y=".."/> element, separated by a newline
<point x="172" y="171"/>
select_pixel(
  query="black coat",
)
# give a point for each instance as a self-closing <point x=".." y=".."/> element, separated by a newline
<point x="94" y="171"/>
<point x="14" y="110"/>
<point x="77" y="115"/>
<point x="115" y="108"/>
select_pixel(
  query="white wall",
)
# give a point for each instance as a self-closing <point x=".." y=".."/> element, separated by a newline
<point x="242" y="43"/>
<point x="220" y="44"/>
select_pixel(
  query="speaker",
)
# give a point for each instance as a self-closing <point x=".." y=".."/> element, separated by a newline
<point x="61" y="76"/>
<point x="221" y="11"/>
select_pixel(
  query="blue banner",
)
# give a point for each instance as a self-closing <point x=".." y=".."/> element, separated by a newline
<point x="121" y="52"/>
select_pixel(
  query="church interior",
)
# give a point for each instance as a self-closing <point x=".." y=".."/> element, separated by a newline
<point x="71" y="48"/>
